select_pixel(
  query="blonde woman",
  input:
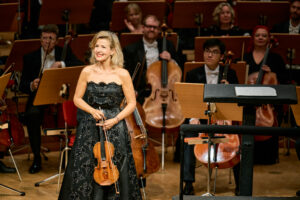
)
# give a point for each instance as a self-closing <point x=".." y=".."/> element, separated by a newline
<point x="100" y="90"/>
<point x="223" y="17"/>
<point x="133" y="19"/>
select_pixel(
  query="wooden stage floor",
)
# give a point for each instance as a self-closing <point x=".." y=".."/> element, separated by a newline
<point x="278" y="180"/>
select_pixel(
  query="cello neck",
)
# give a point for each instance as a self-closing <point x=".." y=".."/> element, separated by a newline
<point x="261" y="71"/>
<point x="139" y="121"/>
<point x="164" y="67"/>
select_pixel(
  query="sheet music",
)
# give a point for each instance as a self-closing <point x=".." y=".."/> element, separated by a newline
<point x="255" y="91"/>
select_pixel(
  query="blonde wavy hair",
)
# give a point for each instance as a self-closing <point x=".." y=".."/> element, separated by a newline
<point x="218" y="10"/>
<point x="117" y="58"/>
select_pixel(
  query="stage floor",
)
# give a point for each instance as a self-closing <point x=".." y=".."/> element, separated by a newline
<point x="278" y="180"/>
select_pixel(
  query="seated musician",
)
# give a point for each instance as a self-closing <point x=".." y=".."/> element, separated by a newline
<point x="223" y="17"/>
<point x="133" y="19"/>
<point x="148" y="49"/>
<point x="265" y="152"/>
<point x="292" y="25"/>
<point x="210" y="73"/>
<point x="32" y="64"/>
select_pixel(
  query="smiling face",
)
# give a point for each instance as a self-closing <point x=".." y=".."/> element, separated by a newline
<point x="261" y="38"/>
<point x="103" y="51"/>
<point x="134" y="17"/>
<point x="225" y="15"/>
<point x="151" y="29"/>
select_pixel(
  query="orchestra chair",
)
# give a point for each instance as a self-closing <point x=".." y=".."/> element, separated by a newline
<point x="70" y="117"/>
<point x="69" y="111"/>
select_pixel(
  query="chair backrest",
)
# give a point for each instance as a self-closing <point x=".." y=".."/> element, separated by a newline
<point x="70" y="113"/>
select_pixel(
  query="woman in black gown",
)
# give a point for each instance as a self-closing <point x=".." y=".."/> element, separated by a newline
<point x="100" y="90"/>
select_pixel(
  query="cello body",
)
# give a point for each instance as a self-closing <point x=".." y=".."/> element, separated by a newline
<point x="265" y="114"/>
<point x="145" y="156"/>
<point x="227" y="153"/>
<point x="160" y="95"/>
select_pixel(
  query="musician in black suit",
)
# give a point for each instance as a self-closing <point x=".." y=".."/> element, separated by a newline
<point x="147" y="51"/>
<point x="210" y="73"/>
<point x="293" y="24"/>
<point x="32" y="64"/>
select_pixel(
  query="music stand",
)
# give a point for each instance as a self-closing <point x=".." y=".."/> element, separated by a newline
<point x="129" y="38"/>
<point x="65" y="12"/>
<point x="191" y="97"/>
<point x="118" y="13"/>
<point x="236" y="44"/>
<point x="3" y="83"/>
<point x="194" y="14"/>
<point x="80" y="46"/>
<point x="8" y="11"/>
<point x="252" y="13"/>
<point x="49" y="92"/>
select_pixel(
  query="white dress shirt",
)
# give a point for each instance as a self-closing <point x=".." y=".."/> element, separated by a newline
<point x="152" y="53"/>
<point x="212" y="76"/>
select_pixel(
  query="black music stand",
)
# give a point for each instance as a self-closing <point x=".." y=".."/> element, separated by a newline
<point x="50" y="92"/>
<point x="194" y="14"/>
<point x="285" y="94"/>
<point x="65" y="12"/>
<point x="252" y="13"/>
<point x="3" y="82"/>
<point x="191" y="100"/>
<point x="156" y="8"/>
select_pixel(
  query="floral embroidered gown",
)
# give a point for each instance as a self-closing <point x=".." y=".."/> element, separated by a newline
<point x="78" y="180"/>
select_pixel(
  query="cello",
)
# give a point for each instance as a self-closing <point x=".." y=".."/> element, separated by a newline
<point x="226" y="154"/>
<point x="265" y="114"/>
<point x="162" y="107"/>
<point x="145" y="156"/>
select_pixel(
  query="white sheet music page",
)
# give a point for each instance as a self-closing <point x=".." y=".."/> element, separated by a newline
<point x="255" y="91"/>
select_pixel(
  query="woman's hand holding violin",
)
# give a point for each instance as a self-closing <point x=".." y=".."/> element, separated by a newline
<point x="97" y="114"/>
<point x="108" y="124"/>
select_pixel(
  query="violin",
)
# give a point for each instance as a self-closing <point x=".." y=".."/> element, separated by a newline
<point x="105" y="173"/>
<point x="265" y="114"/>
<point x="225" y="154"/>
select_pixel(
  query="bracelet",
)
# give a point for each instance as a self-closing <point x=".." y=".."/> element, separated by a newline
<point x="118" y="120"/>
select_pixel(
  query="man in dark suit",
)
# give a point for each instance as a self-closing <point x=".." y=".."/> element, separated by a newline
<point x="293" y="24"/>
<point x="147" y="51"/>
<point x="32" y="65"/>
<point x="210" y="73"/>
